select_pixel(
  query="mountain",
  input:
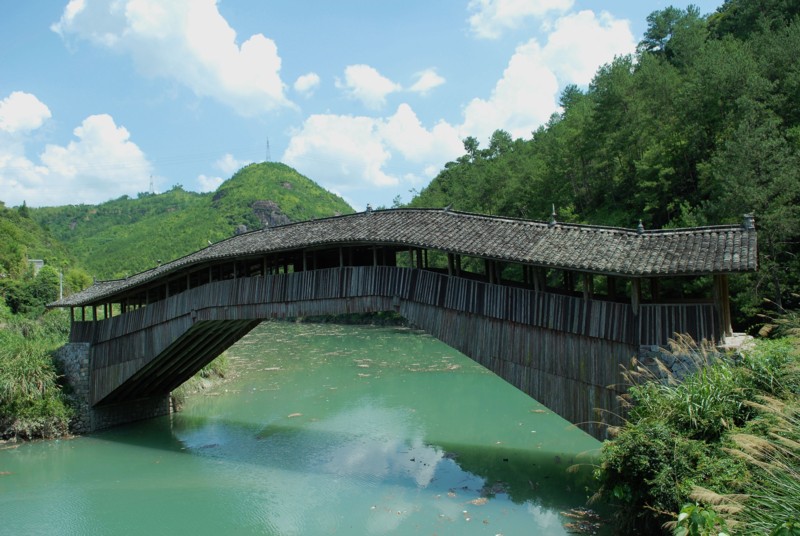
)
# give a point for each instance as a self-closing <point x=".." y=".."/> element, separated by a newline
<point x="126" y="235"/>
<point x="22" y="238"/>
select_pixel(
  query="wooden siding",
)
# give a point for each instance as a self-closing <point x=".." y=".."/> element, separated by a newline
<point x="565" y="351"/>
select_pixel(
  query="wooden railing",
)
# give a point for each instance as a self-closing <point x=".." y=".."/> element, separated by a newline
<point x="607" y="320"/>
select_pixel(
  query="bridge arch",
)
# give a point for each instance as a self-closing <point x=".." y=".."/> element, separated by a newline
<point x="553" y="309"/>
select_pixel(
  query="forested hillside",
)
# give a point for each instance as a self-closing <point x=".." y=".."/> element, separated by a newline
<point x="701" y="126"/>
<point x="126" y="235"/>
<point x="22" y="289"/>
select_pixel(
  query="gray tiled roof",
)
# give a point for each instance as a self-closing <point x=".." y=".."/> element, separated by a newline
<point x="609" y="250"/>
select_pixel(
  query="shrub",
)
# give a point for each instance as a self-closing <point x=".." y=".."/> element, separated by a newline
<point x="31" y="400"/>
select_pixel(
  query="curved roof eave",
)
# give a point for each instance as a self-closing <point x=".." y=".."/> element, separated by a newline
<point x="587" y="248"/>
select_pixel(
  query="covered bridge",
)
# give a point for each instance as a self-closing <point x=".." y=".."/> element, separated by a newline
<point x="553" y="308"/>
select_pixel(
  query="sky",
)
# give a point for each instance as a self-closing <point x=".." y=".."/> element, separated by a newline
<point x="368" y="98"/>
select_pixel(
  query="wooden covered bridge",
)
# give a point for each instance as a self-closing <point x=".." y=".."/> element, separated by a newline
<point x="552" y="308"/>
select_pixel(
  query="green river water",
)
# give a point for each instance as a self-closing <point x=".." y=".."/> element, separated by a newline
<point x="326" y="429"/>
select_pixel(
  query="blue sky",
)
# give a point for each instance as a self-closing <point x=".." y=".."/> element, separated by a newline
<point x="368" y="98"/>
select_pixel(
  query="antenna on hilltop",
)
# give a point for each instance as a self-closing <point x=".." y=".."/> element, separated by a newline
<point x="269" y="156"/>
<point x="152" y="188"/>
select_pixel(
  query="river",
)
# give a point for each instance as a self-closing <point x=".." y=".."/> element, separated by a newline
<point x="326" y="429"/>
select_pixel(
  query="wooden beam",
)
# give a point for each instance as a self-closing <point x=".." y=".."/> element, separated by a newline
<point x="722" y="302"/>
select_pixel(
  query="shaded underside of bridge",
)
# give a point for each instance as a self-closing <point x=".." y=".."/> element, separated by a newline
<point x="563" y="345"/>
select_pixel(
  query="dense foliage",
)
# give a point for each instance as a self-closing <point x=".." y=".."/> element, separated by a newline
<point x="725" y="439"/>
<point x="32" y="402"/>
<point x="701" y="126"/>
<point x="125" y="236"/>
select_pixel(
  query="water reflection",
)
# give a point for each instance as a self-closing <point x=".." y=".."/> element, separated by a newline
<point x="329" y="429"/>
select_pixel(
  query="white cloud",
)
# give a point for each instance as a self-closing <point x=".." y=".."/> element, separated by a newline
<point x="581" y="42"/>
<point x="528" y="92"/>
<point x="229" y="165"/>
<point x="349" y="154"/>
<point x="188" y="41"/>
<point x="426" y="81"/>
<point x="100" y="164"/>
<point x="209" y="184"/>
<point x="307" y="84"/>
<point x="343" y="152"/>
<point x="491" y="17"/>
<point x="365" y="83"/>
<point x="22" y="112"/>
<point x="522" y="100"/>
<point x="404" y="133"/>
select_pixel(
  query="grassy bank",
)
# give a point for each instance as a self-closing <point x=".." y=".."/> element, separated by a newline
<point x="718" y="453"/>
<point x="32" y="403"/>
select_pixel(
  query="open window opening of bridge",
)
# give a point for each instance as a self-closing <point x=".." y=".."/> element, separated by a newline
<point x="552" y="308"/>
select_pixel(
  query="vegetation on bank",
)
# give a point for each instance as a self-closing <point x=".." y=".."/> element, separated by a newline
<point x="717" y="453"/>
<point x="32" y="401"/>
<point x="206" y="377"/>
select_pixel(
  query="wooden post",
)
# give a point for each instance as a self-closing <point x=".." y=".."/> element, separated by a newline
<point x="611" y="284"/>
<point x="341" y="257"/>
<point x="722" y="302"/>
<point x="450" y="264"/>
<point x="636" y="295"/>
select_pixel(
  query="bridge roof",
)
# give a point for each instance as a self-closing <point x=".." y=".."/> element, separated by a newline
<point x="587" y="248"/>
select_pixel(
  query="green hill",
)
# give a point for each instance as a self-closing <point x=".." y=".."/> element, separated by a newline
<point x="22" y="238"/>
<point x="126" y="235"/>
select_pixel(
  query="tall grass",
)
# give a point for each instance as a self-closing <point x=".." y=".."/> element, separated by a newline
<point x="725" y="439"/>
<point x="32" y="404"/>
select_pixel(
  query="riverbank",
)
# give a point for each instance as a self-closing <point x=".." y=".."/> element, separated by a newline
<point x="718" y="453"/>
<point x="33" y="399"/>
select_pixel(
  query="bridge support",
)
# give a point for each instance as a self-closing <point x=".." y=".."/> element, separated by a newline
<point x="74" y="360"/>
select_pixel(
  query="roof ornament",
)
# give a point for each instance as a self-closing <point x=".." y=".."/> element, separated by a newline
<point x="447" y="208"/>
<point x="640" y="227"/>
<point x="552" y="217"/>
<point x="369" y="208"/>
<point x="748" y="223"/>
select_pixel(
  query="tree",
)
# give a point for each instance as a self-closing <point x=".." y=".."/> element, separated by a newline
<point x="757" y="170"/>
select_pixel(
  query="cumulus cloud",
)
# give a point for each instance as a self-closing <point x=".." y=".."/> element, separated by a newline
<point x="188" y="41"/>
<point x="342" y="152"/>
<point x="490" y="18"/>
<point x="581" y="42"/>
<point x="307" y="84"/>
<point x="426" y="81"/>
<point x="209" y="184"/>
<point x="528" y="92"/>
<point x="22" y="112"/>
<point x="521" y="100"/>
<point x="351" y="153"/>
<point x="366" y="84"/>
<point x="404" y="133"/>
<point x="99" y="164"/>
<point x="348" y="153"/>
<point x="229" y="165"/>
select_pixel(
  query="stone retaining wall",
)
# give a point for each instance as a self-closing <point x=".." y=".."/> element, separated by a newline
<point x="74" y="360"/>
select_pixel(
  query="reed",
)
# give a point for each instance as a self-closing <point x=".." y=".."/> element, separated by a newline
<point x="32" y="404"/>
